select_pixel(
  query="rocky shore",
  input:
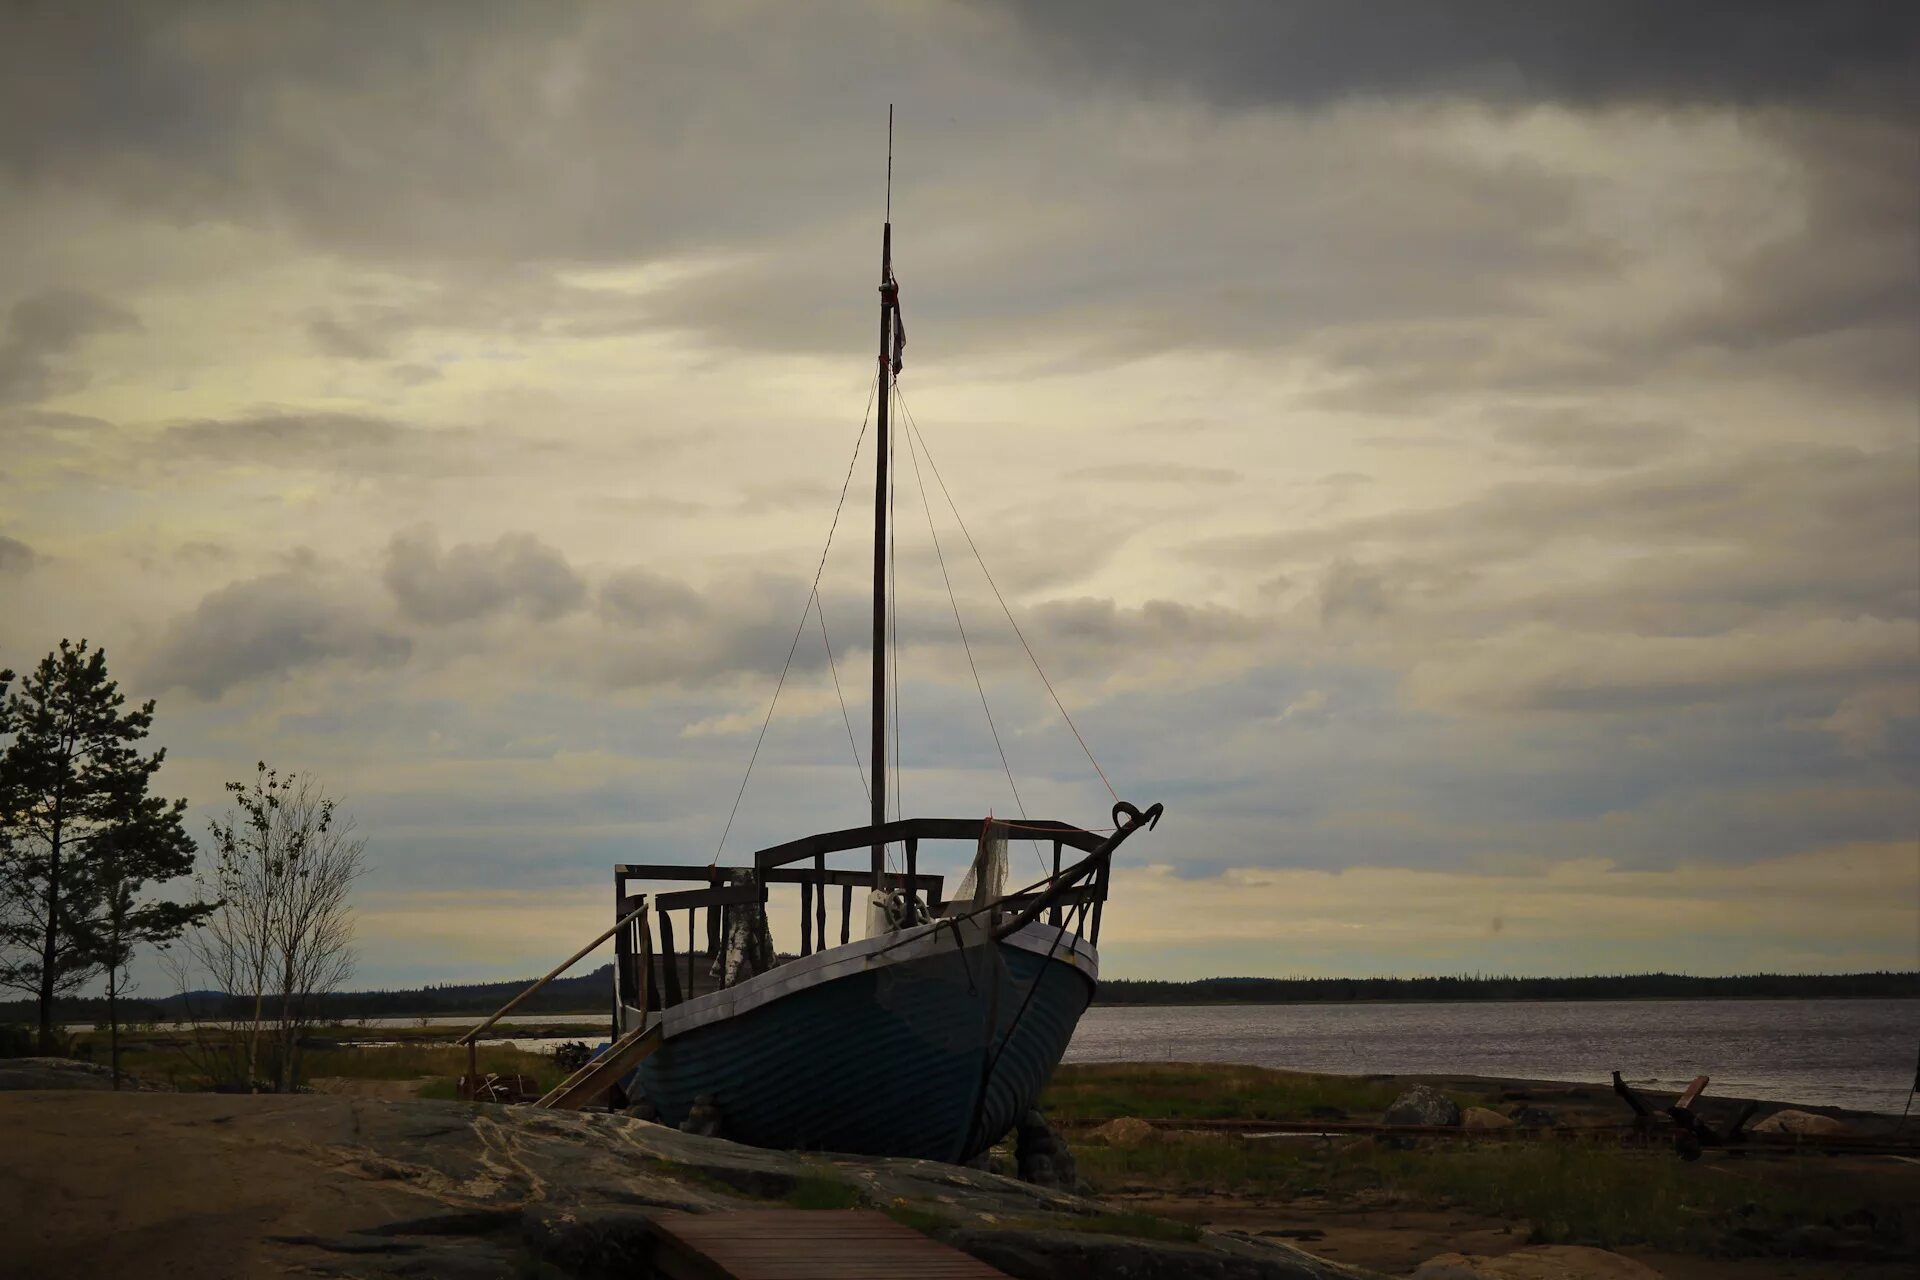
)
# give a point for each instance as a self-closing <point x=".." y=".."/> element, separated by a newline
<point x="209" y="1185"/>
<point x="364" y="1181"/>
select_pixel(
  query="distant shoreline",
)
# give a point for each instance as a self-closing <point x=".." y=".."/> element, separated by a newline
<point x="592" y="993"/>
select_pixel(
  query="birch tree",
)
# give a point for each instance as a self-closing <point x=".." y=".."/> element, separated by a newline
<point x="285" y="862"/>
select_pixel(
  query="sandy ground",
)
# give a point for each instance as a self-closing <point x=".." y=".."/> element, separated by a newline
<point x="181" y="1187"/>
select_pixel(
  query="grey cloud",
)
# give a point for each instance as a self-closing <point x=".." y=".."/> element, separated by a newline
<point x="1165" y="626"/>
<point x="319" y="441"/>
<point x="471" y="581"/>
<point x="325" y="123"/>
<point x="261" y="628"/>
<point x="1784" y="569"/>
<point x="1281" y="263"/>
<point x="366" y="337"/>
<point x="667" y="632"/>
<point x="1575" y="437"/>
<point x="1565" y="671"/>
<point x="414" y="375"/>
<point x="1309" y="52"/>
<point x="15" y="555"/>
<point x="1172" y="473"/>
<point x="1847" y="506"/>
<point x="289" y="437"/>
<point x="42" y="328"/>
<point x="637" y="597"/>
<point x="1853" y="265"/>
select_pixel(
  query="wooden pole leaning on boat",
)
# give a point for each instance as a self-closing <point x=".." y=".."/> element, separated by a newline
<point x="1126" y="820"/>
<point x="470" y="1038"/>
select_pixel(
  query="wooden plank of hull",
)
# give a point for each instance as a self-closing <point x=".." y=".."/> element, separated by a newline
<point x="884" y="1060"/>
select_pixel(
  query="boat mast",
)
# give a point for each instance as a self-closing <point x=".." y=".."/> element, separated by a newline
<point x="888" y="297"/>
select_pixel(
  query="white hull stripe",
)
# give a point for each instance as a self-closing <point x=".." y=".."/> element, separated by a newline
<point x="867" y="954"/>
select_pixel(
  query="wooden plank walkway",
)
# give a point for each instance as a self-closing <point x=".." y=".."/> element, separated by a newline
<point x="805" y="1244"/>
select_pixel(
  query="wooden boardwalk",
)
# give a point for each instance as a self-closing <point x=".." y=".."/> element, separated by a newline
<point x="805" y="1244"/>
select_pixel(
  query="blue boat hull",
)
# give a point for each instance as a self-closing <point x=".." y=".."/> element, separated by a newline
<point x="935" y="1056"/>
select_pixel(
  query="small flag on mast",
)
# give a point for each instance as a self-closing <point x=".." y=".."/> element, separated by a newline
<point x="899" y="326"/>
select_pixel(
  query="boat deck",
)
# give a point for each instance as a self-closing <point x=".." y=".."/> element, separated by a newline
<point x="804" y="1244"/>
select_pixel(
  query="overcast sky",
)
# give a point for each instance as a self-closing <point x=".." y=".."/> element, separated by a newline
<point x="1461" y="458"/>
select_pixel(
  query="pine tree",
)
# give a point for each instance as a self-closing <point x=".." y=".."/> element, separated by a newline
<point x="79" y="835"/>
<point x="147" y="843"/>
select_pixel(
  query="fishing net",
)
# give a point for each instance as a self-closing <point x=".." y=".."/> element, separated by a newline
<point x="986" y="879"/>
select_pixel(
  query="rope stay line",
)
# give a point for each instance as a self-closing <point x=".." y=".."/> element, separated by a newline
<point x="914" y="431"/>
<point x="966" y="646"/>
<point x="813" y="597"/>
<point x="893" y="642"/>
<point x="820" y="614"/>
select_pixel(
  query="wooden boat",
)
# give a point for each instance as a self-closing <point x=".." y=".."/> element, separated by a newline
<point x="930" y="1034"/>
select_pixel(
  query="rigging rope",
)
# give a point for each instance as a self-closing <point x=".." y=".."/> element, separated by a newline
<point x="813" y="596"/>
<point x="820" y="613"/>
<point x="893" y="638"/>
<point x="914" y="428"/>
<point x="953" y="601"/>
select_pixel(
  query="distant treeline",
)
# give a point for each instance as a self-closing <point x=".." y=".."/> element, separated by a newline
<point x="1629" y="986"/>
<point x="588" y="992"/>
<point x="591" y="992"/>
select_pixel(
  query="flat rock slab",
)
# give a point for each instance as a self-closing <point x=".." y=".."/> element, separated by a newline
<point x="192" y="1185"/>
<point x="1538" y="1262"/>
<point x="53" y="1073"/>
<point x="798" y="1244"/>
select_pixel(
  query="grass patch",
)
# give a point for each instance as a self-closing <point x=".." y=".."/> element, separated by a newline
<point x="928" y="1222"/>
<point x="815" y="1191"/>
<point x="443" y="1063"/>
<point x="1609" y="1196"/>
<point x="1095" y="1091"/>
<point x="1570" y="1192"/>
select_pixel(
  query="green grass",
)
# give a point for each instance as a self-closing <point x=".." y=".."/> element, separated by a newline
<point x="818" y="1191"/>
<point x="1569" y="1192"/>
<point x="440" y="1064"/>
<point x="1092" y="1092"/>
<point x="411" y="1061"/>
<point x="928" y="1222"/>
<point x="1573" y="1193"/>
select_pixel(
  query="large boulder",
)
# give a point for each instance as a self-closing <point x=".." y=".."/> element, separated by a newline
<point x="1802" y="1123"/>
<point x="1127" y="1131"/>
<point x="1528" y="1116"/>
<point x="1539" y="1262"/>
<point x="1422" y="1105"/>
<point x="1481" y="1118"/>
<point x="1044" y="1159"/>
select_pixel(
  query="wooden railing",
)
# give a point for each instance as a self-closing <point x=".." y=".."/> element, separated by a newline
<point x="727" y="888"/>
